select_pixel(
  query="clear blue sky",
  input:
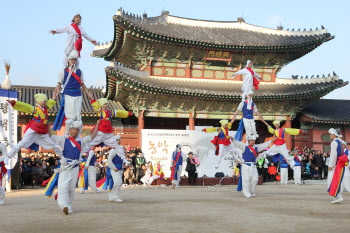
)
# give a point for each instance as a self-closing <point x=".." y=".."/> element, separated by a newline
<point x="36" y="56"/>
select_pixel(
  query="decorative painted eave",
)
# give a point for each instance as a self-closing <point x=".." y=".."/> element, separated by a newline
<point x="132" y="80"/>
<point x="213" y="35"/>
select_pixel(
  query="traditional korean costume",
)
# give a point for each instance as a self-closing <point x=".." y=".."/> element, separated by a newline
<point x="36" y="131"/>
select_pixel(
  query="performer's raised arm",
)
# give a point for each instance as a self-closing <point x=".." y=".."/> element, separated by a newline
<point x="59" y="30"/>
<point x="292" y="131"/>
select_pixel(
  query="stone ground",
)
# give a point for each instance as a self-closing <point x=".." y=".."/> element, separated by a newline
<point x="276" y="208"/>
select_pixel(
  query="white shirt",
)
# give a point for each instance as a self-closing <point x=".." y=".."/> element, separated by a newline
<point x="242" y="146"/>
<point x="120" y="153"/>
<point x="60" y="140"/>
<point x="240" y="107"/>
<point x="248" y="79"/>
<point x="61" y="76"/>
<point x="72" y="37"/>
<point x="90" y="155"/>
<point x="333" y="156"/>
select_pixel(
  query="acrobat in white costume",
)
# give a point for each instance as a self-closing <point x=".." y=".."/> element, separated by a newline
<point x="72" y="156"/>
<point x="248" y="81"/>
<point x="280" y="146"/>
<point x="248" y="111"/>
<point x="115" y="164"/>
<point x="336" y="142"/>
<point x="147" y="178"/>
<point x="73" y="30"/>
<point x="3" y="162"/>
<point x="222" y="141"/>
<point x="249" y="157"/>
<point x="176" y="166"/>
<point x="71" y="81"/>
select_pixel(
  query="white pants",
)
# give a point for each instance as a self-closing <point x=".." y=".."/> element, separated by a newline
<point x="223" y="150"/>
<point x="107" y="138"/>
<point x="284" y="175"/>
<point x="42" y="140"/>
<point x="249" y="126"/>
<point x="329" y="181"/>
<point x="67" y="182"/>
<point x="177" y="182"/>
<point x="297" y="174"/>
<point x="249" y="179"/>
<point x="150" y="180"/>
<point x="5" y="183"/>
<point x="72" y="107"/>
<point x="117" y="180"/>
<point x="282" y="149"/>
<point x="2" y="192"/>
<point x="346" y="179"/>
<point x="92" y="178"/>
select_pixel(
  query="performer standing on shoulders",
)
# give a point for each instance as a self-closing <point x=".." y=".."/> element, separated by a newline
<point x="3" y="170"/>
<point x="115" y="167"/>
<point x="251" y="78"/>
<point x="71" y="81"/>
<point x="74" y="40"/>
<point x="249" y="157"/>
<point x="222" y="141"/>
<point x="279" y="146"/>
<point x="176" y="166"/>
<point x="248" y="108"/>
<point x="336" y="168"/>
<point x="37" y="131"/>
<point x="72" y="146"/>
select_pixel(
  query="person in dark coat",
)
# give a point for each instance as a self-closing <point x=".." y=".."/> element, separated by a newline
<point x="192" y="162"/>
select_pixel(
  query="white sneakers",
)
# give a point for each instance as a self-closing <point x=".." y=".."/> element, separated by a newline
<point x="82" y="191"/>
<point x="2" y="201"/>
<point x="116" y="200"/>
<point x="337" y="200"/>
<point x="97" y="191"/>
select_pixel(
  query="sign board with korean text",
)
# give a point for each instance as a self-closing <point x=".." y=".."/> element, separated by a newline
<point x="159" y="145"/>
<point x="8" y="123"/>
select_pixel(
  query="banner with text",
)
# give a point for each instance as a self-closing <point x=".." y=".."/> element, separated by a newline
<point x="8" y="123"/>
<point x="159" y="145"/>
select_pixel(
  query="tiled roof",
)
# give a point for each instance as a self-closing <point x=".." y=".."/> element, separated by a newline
<point x="177" y="30"/>
<point x="218" y="89"/>
<point x="328" y="111"/>
<point x="26" y="94"/>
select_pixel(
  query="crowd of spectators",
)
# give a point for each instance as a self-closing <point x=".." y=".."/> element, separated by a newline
<point x="314" y="165"/>
<point x="48" y="162"/>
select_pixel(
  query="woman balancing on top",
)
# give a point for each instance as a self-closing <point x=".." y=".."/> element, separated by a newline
<point x="74" y="39"/>
<point x="251" y="78"/>
<point x="105" y="129"/>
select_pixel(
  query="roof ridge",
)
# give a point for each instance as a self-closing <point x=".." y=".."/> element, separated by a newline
<point x="165" y="17"/>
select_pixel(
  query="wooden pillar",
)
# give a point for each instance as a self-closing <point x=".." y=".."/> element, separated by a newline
<point x="141" y="125"/>
<point x="191" y="122"/>
<point x="188" y="70"/>
<point x="273" y="77"/>
<point x="288" y="137"/>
